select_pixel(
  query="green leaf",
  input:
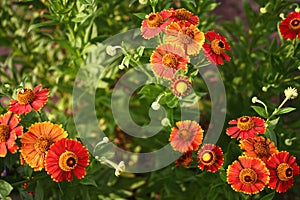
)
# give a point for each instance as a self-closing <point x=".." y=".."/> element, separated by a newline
<point x="140" y="15"/>
<point x="285" y="110"/>
<point x="268" y="196"/>
<point x="273" y="123"/>
<point x="191" y="2"/>
<point x="42" y="24"/>
<point x="5" y="189"/>
<point x="232" y="153"/>
<point x="88" y="181"/>
<point x="39" y="190"/>
<point x="271" y="135"/>
<point x="261" y="111"/>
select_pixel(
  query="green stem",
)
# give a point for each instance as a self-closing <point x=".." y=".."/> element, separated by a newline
<point x="40" y="116"/>
<point x="29" y="180"/>
<point x="291" y="79"/>
<point x="277" y="109"/>
<point x="138" y="64"/>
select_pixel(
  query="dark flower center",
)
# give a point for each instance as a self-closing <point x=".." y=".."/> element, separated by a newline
<point x="186" y="35"/>
<point x="217" y="46"/>
<point x="185" y="134"/>
<point x="4" y="132"/>
<point x="25" y="96"/>
<point x="182" y="14"/>
<point x="68" y="161"/>
<point x="170" y="60"/>
<point x="261" y="148"/>
<point x="208" y="157"/>
<point x="42" y="145"/>
<point x="155" y="20"/>
<point x="248" y="176"/>
<point x="245" y="123"/>
<point x="284" y="172"/>
<point x="295" y="24"/>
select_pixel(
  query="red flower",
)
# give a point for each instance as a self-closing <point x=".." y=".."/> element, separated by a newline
<point x="189" y="37"/>
<point x="246" y="127"/>
<point x="283" y="167"/>
<point x="210" y="157"/>
<point x="37" y="141"/>
<point x="248" y="175"/>
<point x="214" y="50"/>
<point x="155" y="23"/>
<point x="9" y="130"/>
<point x="290" y="26"/>
<point x="258" y="147"/>
<point x="66" y="158"/>
<point x="28" y="99"/>
<point x="185" y="159"/>
<point x="167" y="59"/>
<point x="185" y="16"/>
<point x="187" y="136"/>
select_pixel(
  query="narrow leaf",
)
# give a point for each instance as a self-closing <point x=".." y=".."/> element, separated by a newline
<point x="271" y="135"/>
<point x="140" y="15"/>
<point x="285" y="110"/>
<point x="268" y="196"/>
<point x="260" y="111"/>
<point x="42" y="24"/>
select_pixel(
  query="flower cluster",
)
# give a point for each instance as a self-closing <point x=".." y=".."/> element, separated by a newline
<point x="180" y="39"/>
<point x="187" y="137"/>
<point x="44" y="145"/>
<point x="262" y="164"/>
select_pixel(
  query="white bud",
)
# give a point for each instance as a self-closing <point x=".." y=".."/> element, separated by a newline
<point x="165" y="122"/>
<point x="297" y="9"/>
<point x="105" y="139"/>
<point x="254" y="99"/>
<point x="143" y="2"/>
<point x="263" y="10"/>
<point x="121" y="67"/>
<point x="110" y="50"/>
<point x="289" y="142"/>
<point x="120" y="168"/>
<point x="281" y="15"/>
<point x="155" y="105"/>
<point x="264" y="89"/>
<point x="290" y="93"/>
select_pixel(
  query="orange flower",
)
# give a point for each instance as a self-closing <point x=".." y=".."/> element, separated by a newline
<point x="283" y="167"/>
<point x="37" y="140"/>
<point x="167" y="59"/>
<point x="185" y="16"/>
<point x="214" y="50"/>
<point x="290" y="26"/>
<point x="185" y="159"/>
<point x="258" y="147"/>
<point x="248" y="175"/>
<point x="65" y="158"/>
<point x="247" y="127"/>
<point x="189" y="37"/>
<point x="180" y="86"/>
<point x="28" y="99"/>
<point x="187" y="136"/>
<point x="9" y="130"/>
<point x="210" y="157"/>
<point x="155" y="23"/>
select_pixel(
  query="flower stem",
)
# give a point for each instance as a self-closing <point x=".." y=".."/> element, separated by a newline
<point x="29" y="180"/>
